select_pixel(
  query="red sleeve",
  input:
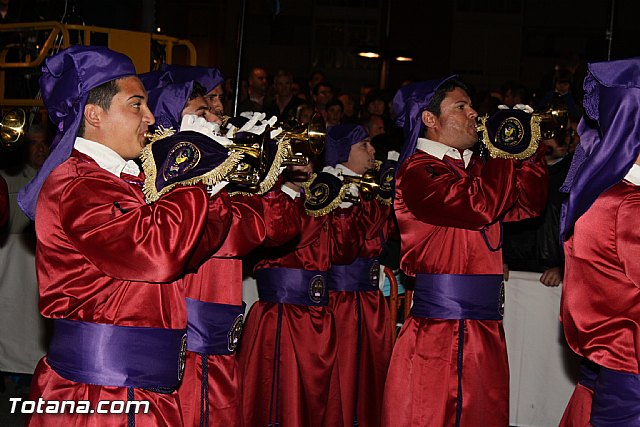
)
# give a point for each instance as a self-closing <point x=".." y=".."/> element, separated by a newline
<point x="628" y="237"/>
<point x="347" y="234"/>
<point x="4" y="203"/>
<point x="247" y="229"/>
<point x="132" y="241"/>
<point x="434" y="193"/>
<point x="533" y="184"/>
<point x="282" y="218"/>
<point x="375" y="216"/>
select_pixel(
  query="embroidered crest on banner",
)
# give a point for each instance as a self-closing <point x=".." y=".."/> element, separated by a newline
<point x="183" y="157"/>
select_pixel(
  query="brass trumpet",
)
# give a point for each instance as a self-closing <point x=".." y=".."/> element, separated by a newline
<point x="368" y="184"/>
<point x="12" y="127"/>
<point x="305" y="142"/>
<point x="254" y="166"/>
<point x="555" y="118"/>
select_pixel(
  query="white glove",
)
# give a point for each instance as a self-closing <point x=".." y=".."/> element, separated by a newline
<point x="393" y="155"/>
<point x="352" y="190"/>
<point x="199" y="124"/>
<point x="215" y="189"/>
<point x="523" y="107"/>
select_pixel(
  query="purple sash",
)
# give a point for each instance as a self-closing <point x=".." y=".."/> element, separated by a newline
<point x="213" y="328"/>
<point x="293" y="286"/>
<point x="361" y="275"/>
<point x="616" y="399"/>
<point x="120" y="356"/>
<point x="458" y="296"/>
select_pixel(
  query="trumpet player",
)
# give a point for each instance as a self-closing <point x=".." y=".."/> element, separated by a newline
<point x="449" y="365"/>
<point x="210" y="390"/>
<point x="358" y="305"/>
<point x="288" y="352"/>
<point x="107" y="261"/>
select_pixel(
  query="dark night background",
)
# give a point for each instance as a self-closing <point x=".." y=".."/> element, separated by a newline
<point x="486" y="41"/>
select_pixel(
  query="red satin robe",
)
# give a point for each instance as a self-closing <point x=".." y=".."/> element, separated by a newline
<point x="97" y="264"/>
<point x="256" y="220"/>
<point x="308" y="393"/>
<point x="441" y="208"/>
<point x="599" y="308"/>
<point x="369" y="367"/>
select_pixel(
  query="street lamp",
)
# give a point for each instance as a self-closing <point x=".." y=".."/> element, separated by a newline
<point x="386" y="56"/>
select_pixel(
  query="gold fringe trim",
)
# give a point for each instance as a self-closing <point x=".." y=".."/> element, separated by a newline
<point x="274" y="172"/>
<point x="386" y="202"/>
<point x="536" y="137"/>
<point x="162" y="132"/>
<point x="335" y="203"/>
<point x="213" y="177"/>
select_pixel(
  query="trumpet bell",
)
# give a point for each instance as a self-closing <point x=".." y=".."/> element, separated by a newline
<point x="305" y="141"/>
<point x="368" y="184"/>
<point x="255" y="164"/>
<point x="12" y="127"/>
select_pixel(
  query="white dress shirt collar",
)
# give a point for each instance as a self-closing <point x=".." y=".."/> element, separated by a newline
<point x="439" y="150"/>
<point x="633" y="176"/>
<point x="345" y="170"/>
<point x="290" y="192"/>
<point x="106" y="158"/>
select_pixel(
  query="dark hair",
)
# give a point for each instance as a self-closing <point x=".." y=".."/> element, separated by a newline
<point x="334" y="101"/>
<point x="197" y="91"/>
<point x="101" y="96"/>
<point x="316" y="88"/>
<point x="441" y="93"/>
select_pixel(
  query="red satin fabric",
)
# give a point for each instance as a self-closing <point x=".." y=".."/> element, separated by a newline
<point x="309" y="392"/>
<point x="369" y="368"/>
<point x="97" y="264"/>
<point x="164" y="409"/>
<point x="372" y="364"/>
<point x="578" y="411"/>
<point x="224" y="390"/>
<point x="219" y="280"/>
<point x="600" y="295"/>
<point x="422" y="382"/>
<point x="441" y="209"/>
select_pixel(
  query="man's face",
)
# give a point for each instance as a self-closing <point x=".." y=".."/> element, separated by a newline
<point x="377" y="126"/>
<point x="361" y="156"/>
<point x="258" y="81"/>
<point x="334" y="114"/>
<point x="325" y="94"/>
<point x="456" y="126"/>
<point x="215" y="99"/>
<point x="196" y="106"/>
<point x="298" y="174"/>
<point x="283" y="86"/>
<point x="38" y="149"/>
<point x="554" y="150"/>
<point x="127" y="119"/>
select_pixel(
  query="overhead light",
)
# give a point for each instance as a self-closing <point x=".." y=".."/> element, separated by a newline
<point x="401" y="58"/>
<point x="369" y="54"/>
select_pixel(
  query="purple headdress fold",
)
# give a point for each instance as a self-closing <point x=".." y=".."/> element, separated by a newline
<point x="340" y="138"/>
<point x="207" y="77"/>
<point x="609" y="136"/>
<point x="408" y="104"/>
<point x="169" y="89"/>
<point x="67" y="78"/>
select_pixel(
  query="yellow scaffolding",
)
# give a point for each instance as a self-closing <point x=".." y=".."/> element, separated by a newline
<point x="135" y="44"/>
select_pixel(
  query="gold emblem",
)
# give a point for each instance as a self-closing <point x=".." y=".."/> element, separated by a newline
<point x="374" y="273"/>
<point x="235" y="332"/>
<point x="182" y="359"/>
<point x="501" y="299"/>
<point x="317" y="288"/>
